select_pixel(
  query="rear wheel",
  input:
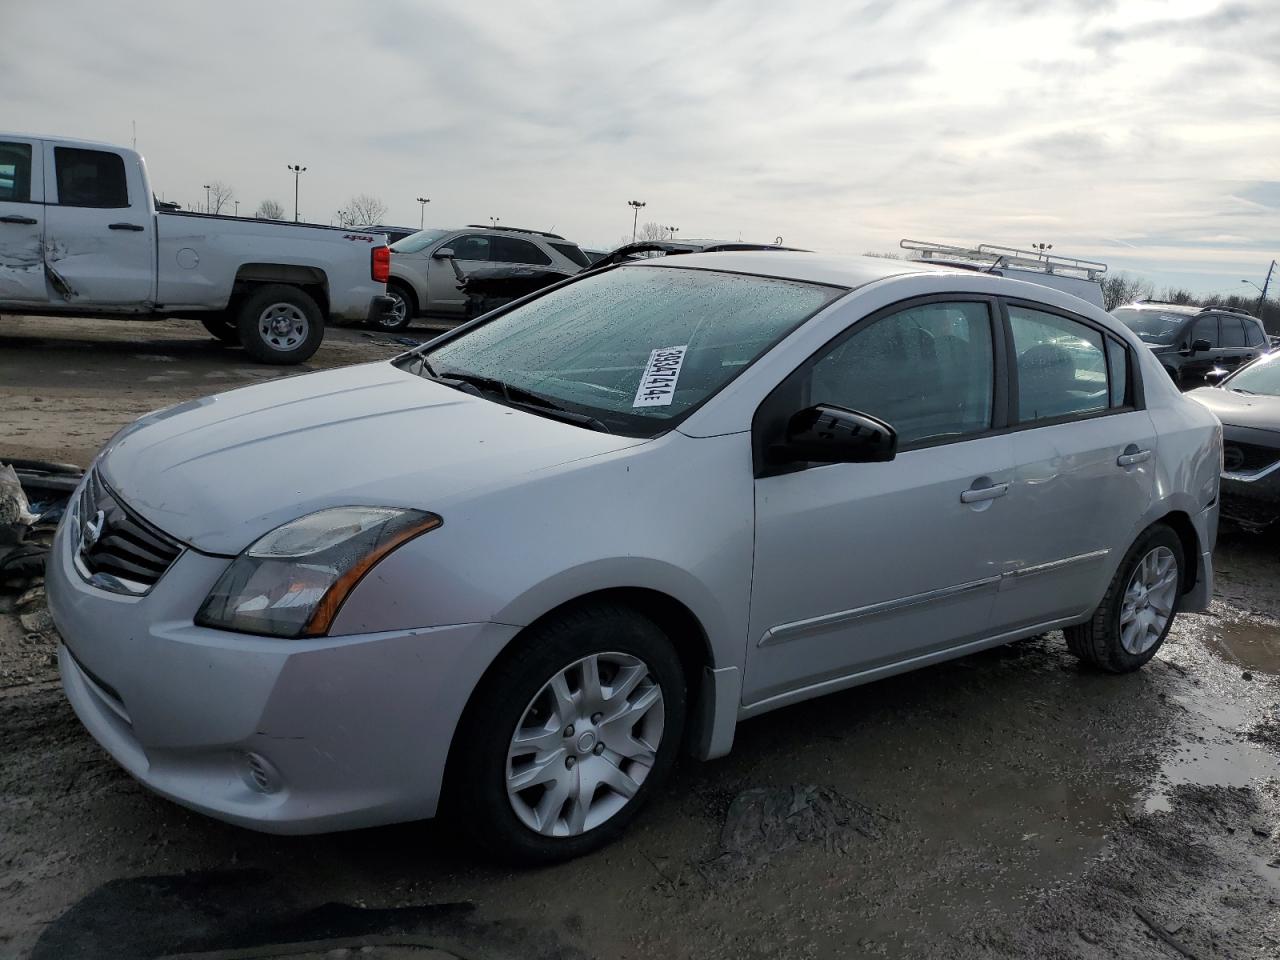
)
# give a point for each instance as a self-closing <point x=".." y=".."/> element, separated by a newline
<point x="569" y="736"/>
<point x="222" y="328"/>
<point x="279" y="324"/>
<point x="1139" y="606"/>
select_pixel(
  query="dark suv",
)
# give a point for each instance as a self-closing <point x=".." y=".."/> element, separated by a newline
<point x="1191" y="341"/>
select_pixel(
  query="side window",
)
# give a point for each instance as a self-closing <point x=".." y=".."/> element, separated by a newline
<point x="1118" y="371"/>
<point x="1205" y="328"/>
<point x="15" y="172"/>
<point x="1256" y="336"/>
<point x="1232" y="332"/>
<point x="90" y="178"/>
<point x="926" y="371"/>
<point x="512" y="250"/>
<point x="573" y="252"/>
<point x="469" y="248"/>
<point x="1062" y="368"/>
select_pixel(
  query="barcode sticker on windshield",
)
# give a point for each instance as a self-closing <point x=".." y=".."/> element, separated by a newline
<point x="658" y="384"/>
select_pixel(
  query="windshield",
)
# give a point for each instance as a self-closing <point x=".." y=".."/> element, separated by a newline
<point x="1261" y="377"/>
<point x="1152" y="326"/>
<point x="417" y="241"/>
<point x="635" y="348"/>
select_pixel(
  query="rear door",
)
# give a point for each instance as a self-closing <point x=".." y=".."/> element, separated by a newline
<point x="99" y="229"/>
<point x="22" y="222"/>
<point x="513" y="251"/>
<point x="1235" y="349"/>
<point x="1083" y="449"/>
<point x="471" y="251"/>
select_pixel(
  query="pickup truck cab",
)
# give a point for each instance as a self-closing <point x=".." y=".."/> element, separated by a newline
<point x="80" y="234"/>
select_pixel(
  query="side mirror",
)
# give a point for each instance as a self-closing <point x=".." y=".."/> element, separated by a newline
<point x="829" y="434"/>
<point x="1199" y="346"/>
<point x="444" y="253"/>
<point x="1215" y="376"/>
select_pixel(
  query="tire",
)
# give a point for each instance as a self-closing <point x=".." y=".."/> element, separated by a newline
<point x="222" y="329"/>
<point x="515" y="695"/>
<point x="404" y="311"/>
<point x="279" y="324"/>
<point x="1102" y="641"/>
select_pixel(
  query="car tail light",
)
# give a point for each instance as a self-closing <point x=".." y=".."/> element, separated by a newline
<point x="381" y="264"/>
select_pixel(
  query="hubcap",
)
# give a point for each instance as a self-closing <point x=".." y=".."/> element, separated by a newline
<point x="396" y="316"/>
<point x="585" y="744"/>
<point x="283" y="326"/>
<point x="1148" y="601"/>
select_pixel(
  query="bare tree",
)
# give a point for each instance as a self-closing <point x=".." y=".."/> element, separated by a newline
<point x="1179" y="295"/>
<point x="885" y="256"/>
<point x="220" y="195"/>
<point x="652" y="231"/>
<point x="1121" y="288"/>
<point x="270" y="210"/>
<point x="364" y="210"/>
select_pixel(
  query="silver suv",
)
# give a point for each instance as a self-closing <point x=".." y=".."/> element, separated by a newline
<point x="470" y="270"/>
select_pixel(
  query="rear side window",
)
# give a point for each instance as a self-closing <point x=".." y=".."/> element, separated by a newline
<point x="512" y="250"/>
<point x="90" y="178"/>
<point x="470" y="248"/>
<point x="1257" y="337"/>
<point x="1062" y="366"/>
<point x="926" y="371"/>
<point x="15" y="172"/>
<point x="572" y="251"/>
<point x="1232" y="332"/>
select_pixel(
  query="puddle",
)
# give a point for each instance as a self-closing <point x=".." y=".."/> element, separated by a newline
<point x="1254" y="646"/>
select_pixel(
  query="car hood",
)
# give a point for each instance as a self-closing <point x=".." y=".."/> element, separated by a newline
<point x="1253" y="410"/>
<point x="219" y="472"/>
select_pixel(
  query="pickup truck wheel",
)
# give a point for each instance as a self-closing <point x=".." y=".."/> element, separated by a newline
<point x="280" y="324"/>
<point x="223" y="329"/>
<point x="401" y="315"/>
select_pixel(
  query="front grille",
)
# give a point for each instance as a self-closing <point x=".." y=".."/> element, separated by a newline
<point x="1247" y="457"/>
<point x="119" y="550"/>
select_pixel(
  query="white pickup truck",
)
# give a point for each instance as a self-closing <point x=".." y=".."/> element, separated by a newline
<point x="80" y="235"/>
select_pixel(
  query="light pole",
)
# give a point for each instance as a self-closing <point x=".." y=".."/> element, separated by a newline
<point x="1042" y="247"/>
<point x="422" y="211"/>
<point x="494" y="221"/>
<point x="298" y="170"/>
<point x="635" y="205"/>
<point x="673" y="231"/>
<point x="207" y="188"/>
<point x="237" y="208"/>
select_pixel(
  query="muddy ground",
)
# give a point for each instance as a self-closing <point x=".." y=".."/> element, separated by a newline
<point x="1010" y="804"/>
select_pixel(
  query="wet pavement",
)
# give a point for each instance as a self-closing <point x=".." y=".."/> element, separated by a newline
<point x="1009" y="804"/>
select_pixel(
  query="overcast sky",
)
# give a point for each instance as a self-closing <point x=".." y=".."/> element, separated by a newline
<point x="1145" y="133"/>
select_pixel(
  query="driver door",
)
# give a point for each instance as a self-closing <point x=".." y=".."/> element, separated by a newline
<point x="470" y="251"/>
<point x="863" y="566"/>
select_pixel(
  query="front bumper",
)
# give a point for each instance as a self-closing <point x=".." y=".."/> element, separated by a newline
<point x="381" y="307"/>
<point x="277" y="735"/>
<point x="1251" y="500"/>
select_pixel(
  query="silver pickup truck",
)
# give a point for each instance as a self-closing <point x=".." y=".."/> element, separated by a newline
<point x="80" y="235"/>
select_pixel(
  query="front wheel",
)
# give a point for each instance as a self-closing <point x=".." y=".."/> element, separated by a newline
<point x="279" y="324"/>
<point x="569" y="736"/>
<point x="1138" y="608"/>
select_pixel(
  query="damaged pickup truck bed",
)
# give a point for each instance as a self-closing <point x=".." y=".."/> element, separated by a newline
<point x="80" y="235"/>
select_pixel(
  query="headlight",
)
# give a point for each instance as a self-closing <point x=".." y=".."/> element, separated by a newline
<point x="293" y="581"/>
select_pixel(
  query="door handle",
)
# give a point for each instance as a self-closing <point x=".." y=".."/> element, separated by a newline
<point x="126" y="226"/>
<point x="13" y="218"/>
<point x="984" y="493"/>
<point x="1132" y="456"/>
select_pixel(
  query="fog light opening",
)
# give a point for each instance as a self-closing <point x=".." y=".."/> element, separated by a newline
<point x="259" y="774"/>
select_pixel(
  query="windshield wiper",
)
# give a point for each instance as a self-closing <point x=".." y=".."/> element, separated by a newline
<point x="1252" y="393"/>
<point x="514" y="396"/>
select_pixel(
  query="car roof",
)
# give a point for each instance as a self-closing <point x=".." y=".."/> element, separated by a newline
<point x="835" y="270"/>
<point x="62" y="141"/>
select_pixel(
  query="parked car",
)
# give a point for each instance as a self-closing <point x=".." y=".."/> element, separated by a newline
<point x="80" y="235"/>
<point x="1081" y="278"/>
<point x="393" y="234"/>
<point x="561" y="542"/>
<point x="1248" y="404"/>
<point x="648" y="249"/>
<point x="595" y="256"/>
<point x="471" y="270"/>
<point x="1191" y="341"/>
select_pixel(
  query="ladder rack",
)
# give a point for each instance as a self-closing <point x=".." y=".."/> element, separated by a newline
<point x="998" y="256"/>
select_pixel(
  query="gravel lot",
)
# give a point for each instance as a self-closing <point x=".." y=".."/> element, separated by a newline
<point x="1006" y="805"/>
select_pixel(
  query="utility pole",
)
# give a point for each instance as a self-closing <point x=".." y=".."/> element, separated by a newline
<point x="635" y="205"/>
<point x="298" y="170"/>
<point x="207" y="187"/>
<point x="1262" y="300"/>
<point x="422" y="211"/>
